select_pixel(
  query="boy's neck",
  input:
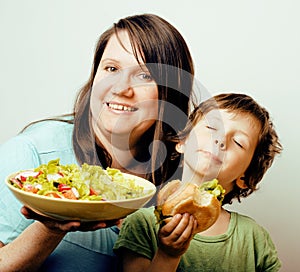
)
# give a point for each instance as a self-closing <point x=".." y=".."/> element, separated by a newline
<point x="221" y="225"/>
<point x="191" y="176"/>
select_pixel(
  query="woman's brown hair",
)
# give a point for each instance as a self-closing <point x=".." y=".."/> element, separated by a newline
<point x="168" y="59"/>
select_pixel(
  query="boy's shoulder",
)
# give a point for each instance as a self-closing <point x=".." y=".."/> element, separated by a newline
<point x="147" y="213"/>
<point x="244" y="219"/>
<point x="247" y="223"/>
<point x="143" y="216"/>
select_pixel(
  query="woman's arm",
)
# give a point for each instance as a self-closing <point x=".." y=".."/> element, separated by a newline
<point x="29" y="250"/>
<point x="66" y="226"/>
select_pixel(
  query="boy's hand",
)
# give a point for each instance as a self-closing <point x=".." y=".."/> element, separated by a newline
<point x="175" y="236"/>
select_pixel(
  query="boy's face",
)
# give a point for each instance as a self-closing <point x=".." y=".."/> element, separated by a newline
<point x="220" y="146"/>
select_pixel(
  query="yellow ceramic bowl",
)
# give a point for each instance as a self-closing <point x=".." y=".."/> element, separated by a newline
<point x="83" y="210"/>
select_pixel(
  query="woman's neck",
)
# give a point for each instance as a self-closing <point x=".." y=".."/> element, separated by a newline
<point x="123" y="158"/>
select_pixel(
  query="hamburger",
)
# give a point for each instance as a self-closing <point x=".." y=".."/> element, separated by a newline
<point x="203" y="202"/>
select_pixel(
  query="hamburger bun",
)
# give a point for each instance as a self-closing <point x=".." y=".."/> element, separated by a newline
<point x="203" y="202"/>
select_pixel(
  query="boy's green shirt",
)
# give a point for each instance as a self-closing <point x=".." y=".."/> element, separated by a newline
<point x="246" y="246"/>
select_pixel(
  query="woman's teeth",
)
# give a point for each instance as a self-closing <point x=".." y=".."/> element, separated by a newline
<point x="120" y="107"/>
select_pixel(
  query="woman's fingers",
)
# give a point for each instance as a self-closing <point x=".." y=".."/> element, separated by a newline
<point x="66" y="226"/>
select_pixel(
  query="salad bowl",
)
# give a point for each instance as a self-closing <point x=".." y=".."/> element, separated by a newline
<point x="84" y="209"/>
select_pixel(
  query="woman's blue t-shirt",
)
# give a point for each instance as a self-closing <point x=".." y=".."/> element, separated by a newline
<point x="41" y="142"/>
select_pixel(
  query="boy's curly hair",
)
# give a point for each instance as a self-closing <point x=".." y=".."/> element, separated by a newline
<point x="268" y="144"/>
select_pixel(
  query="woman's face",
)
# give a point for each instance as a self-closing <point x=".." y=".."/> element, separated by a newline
<point x="124" y="99"/>
<point x="221" y="146"/>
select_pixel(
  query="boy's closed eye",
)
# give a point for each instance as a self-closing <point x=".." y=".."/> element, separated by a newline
<point x="238" y="143"/>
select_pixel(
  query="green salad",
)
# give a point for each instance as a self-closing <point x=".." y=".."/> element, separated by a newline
<point x="88" y="182"/>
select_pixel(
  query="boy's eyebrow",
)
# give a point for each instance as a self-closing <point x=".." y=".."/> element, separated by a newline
<point x="249" y="141"/>
<point x="244" y="133"/>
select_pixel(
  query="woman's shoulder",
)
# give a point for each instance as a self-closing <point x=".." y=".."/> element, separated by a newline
<point x="49" y="134"/>
<point x="39" y="143"/>
<point x="47" y="126"/>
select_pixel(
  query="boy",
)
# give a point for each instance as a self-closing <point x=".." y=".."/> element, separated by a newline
<point x="229" y="137"/>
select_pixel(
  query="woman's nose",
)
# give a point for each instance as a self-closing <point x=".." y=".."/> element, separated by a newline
<point x="126" y="91"/>
<point x="122" y="85"/>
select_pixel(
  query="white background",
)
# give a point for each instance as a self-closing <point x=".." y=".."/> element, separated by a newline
<point x="237" y="45"/>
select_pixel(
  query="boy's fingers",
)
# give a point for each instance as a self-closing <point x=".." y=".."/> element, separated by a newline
<point x="179" y="225"/>
<point x="171" y="225"/>
<point x="186" y="229"/>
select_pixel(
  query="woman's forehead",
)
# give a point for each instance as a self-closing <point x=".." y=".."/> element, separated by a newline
<point x="120" y="45"/>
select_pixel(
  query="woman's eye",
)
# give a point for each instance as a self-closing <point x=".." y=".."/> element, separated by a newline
<point x="110" y="69"/>
<point x="145" y="76"/>
<point x="209" y="127"/>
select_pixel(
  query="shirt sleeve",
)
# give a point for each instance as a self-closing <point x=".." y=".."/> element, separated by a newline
<point x="138" y="233"/>
<point x="269" y="260"/>
<point x="16" y="154"/>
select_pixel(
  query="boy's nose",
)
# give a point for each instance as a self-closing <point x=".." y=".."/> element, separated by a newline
<point x="220" y="143"/>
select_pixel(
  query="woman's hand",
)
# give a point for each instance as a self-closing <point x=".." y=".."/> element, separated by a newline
<point x="175" y="236"/>
<point x="66" y="226"/>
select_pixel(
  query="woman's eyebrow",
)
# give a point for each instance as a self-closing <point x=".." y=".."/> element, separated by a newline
<point x="109" y="60"/>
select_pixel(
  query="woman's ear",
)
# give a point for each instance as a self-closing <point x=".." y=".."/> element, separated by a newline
<point x="180" y="147"/>
<point x="240" y="182"/>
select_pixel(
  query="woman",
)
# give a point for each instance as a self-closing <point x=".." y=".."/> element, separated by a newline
<point x="137" y="95"/>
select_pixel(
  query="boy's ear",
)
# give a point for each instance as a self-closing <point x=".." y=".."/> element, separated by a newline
<point x="240" y="182"/>
<point x="180" y="147"/>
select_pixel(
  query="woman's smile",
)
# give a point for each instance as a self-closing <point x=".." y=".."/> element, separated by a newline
<point x="117" y="107"/>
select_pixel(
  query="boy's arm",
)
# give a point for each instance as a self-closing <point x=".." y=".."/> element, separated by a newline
<point x="174" y="240"/>
<point x="138" y="263"/>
